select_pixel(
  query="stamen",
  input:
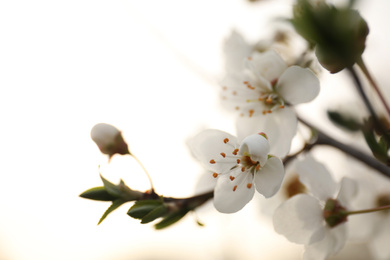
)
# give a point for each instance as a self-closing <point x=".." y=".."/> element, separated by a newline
<point x="281" y="106"/>
<point x="237" y="108"/>
<point x="234" y="188"/>
<point x="249" y="185"/>
<point x="235" y="151"/>
<point x="251" y="112"/>
<point x="238" y="161"/>
<point x="234" y="93"/>
<point x="232" y="178"/>
<point x="223" y="155"/>
<point x="215" y="175"/>
<point x="243" y="169"/>
<point x="226" y="140"/>
<point x="258" y="167"/>
<point x="249" y="58"/>
<point x="269" y="100"/>
<point x="246" y="82"/>
<point x="224" y="88"/>
<point x="250" y="87"/>
<point x="212" y="161"/>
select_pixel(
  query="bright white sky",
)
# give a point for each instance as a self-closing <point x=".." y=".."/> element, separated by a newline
<point x="146" y="67"/>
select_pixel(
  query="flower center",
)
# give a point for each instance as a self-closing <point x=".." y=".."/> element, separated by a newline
<point x="383" y="200"/>
<point x="270" y="99"/>
<point x="294" y="187"/>
<point x="247" y="163"/>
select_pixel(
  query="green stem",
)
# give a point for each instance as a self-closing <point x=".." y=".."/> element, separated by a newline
<point x="143" y="167"/>
<point x="367" y="210"/>
<point x="365" y="71"/>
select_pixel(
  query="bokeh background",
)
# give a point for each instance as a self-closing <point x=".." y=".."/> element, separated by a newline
<point x="150" y="68"/>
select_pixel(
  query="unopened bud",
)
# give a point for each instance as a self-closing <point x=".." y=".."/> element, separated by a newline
<point x="109" y="139"/>
<point x="338" y="34"/>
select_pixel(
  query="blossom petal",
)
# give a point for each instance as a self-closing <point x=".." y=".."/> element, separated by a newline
<point x="232" y="195"/>
<point x="268" y="65"/>
<point x="257" y="147"/>
<point x="348" y="191"/>
<point x="236" y="49"/>
<point x="379" y="243"/>
<point x="298" y="85"/>
<point x="316" y="178"/>
<point x="269" y="179"/>
<point x="209" y="144"/>
<point x="333" y="241"/>
<point x="300" y="219"/>
<point x="280" y="127"/>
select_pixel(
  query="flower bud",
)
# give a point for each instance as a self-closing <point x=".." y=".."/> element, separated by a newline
<point x="338" y="34"/>
<point x="109" y="139"/>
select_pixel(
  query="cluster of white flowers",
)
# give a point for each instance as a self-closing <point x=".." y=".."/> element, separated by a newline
<point x="262" y="90"/>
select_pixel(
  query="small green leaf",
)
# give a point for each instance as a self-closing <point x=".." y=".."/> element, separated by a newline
<point x="141" y="208"/>
<point x="111" y="188"/>
<point x="343" y="121"/>
<point x="97" y="193"/>
<point x="115" y="204"/>
<point x="171" y="219"/>
<point x="379" y="149"/>
<point x="154" y="214"/>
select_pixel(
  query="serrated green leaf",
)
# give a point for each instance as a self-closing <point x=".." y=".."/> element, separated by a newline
<point x="154" y="214"/>
<point x="97" y="193"/>
<point x="343" y="121"/>
<point x="111" y="188"/>
<point x="141" y="208"/>
<point x="171" y="219"/>
<point x="115" y="204"/>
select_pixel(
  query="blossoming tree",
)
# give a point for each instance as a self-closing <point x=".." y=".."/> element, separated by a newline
<point x="262" y="85"/>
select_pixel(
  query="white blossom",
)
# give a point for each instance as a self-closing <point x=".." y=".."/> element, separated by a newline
<point x="265" y="91"/>
<point x="301" y="218"/>
<point x="239" y="168"/>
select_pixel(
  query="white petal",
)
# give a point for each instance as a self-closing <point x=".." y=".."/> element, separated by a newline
<point x="269" y="179"/>
<point x="316" y="178"/>
<point x="333" y="241"/>
<point x="348" y="191"/>
<point x="379" y="243"/>
<point x="235" y="49"/>
<point x="280" y="127"/>
<point x="298" y="85"/>
<point x="227" y="198"/>
<point x="268" y="65"/>
<point x="257" y="147"/>
<point x="300" y="219"/>
<point x="209" y="144"/>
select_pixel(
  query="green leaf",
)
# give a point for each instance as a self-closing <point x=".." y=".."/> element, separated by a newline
<point x="141" y="208"/>
<point x="111" y="188"/>
<point x="97" y="193"/>
<point x="171" y="219"/>
<point x="154" y="214"/>
<point x="115" y="204"/>
<point x="379" y="148"/>
<point x="343" y="121"/>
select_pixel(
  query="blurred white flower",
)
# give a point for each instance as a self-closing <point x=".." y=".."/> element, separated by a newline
<point x="109" y="139"/>
<point x="373" y="228"/>
<point x="301" y="219"/>
<point x="239" y="168"/>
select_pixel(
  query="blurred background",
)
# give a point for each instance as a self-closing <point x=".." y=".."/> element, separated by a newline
<point x="150" y="68"/>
